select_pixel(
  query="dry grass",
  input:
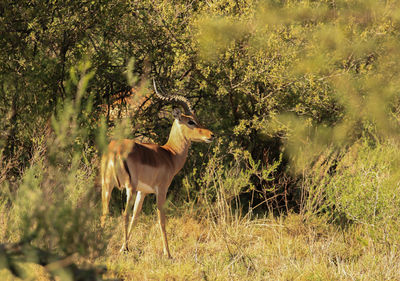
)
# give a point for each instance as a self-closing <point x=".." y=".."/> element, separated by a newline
<point x="286" y="248"/>
<point x="263" y="249"/>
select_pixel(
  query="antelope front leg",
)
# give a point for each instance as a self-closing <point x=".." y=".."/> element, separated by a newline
<point x="161" y="220"/>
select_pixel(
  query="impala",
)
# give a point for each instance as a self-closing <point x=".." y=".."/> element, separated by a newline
<point x="149" y="168"/>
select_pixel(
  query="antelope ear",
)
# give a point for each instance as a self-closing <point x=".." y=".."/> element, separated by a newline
<point x="176" y="112"/>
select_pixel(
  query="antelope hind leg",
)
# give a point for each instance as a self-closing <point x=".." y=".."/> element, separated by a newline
<point x="128" y="206"/>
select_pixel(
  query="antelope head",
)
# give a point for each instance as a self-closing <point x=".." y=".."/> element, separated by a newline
<point x="186" y="121"/>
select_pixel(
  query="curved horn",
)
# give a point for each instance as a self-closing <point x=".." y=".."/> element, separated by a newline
<point x="176" y="99"/>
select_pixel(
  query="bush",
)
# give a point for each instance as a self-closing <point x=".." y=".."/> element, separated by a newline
<point x="54" y="211"/>
<point x="365" y="187"/>
<point x="360" y="185"/>
<point x="233" y="184"/>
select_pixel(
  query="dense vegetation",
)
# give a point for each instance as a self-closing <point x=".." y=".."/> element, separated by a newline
<point x="302" y="181"/>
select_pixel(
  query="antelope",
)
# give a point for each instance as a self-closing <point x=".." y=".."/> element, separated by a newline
<point x="149" y="168"/>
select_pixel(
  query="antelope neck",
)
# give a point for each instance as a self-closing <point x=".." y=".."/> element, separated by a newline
<point x="178" y="145"/>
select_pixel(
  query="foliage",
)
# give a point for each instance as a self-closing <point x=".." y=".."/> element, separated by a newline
<point x="251" y="68"/>
<point x="47" y="209"/>
<point x="227" y="177"/>
<point x="359" y="185"/>
<point x="62" y="267"/>
<point x="365" y="188"/>
<point x="302" y="95"/>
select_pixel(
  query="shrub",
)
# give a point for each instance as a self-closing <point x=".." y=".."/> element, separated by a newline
<point x="54" y="213"/>
<point x="359" y="185"/>
<point x="233" y="182"/>
<point x="365" y="187"/>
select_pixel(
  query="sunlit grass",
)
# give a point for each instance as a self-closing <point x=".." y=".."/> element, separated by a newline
<point x="285" y="248"/>
<point x="281" y="248"/>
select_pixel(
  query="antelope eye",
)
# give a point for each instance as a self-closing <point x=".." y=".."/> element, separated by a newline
<point x="191" y="123"/>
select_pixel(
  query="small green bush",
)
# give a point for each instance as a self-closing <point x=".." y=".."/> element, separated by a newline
<point x="54" y="210"/>
<point x="227" y="177"/>
<point x="365" y="187"/>
<point x="359" y="185"/>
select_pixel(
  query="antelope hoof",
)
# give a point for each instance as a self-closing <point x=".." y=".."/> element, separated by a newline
<point x="103" y="221"/>
<point x="124" y="249"/>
